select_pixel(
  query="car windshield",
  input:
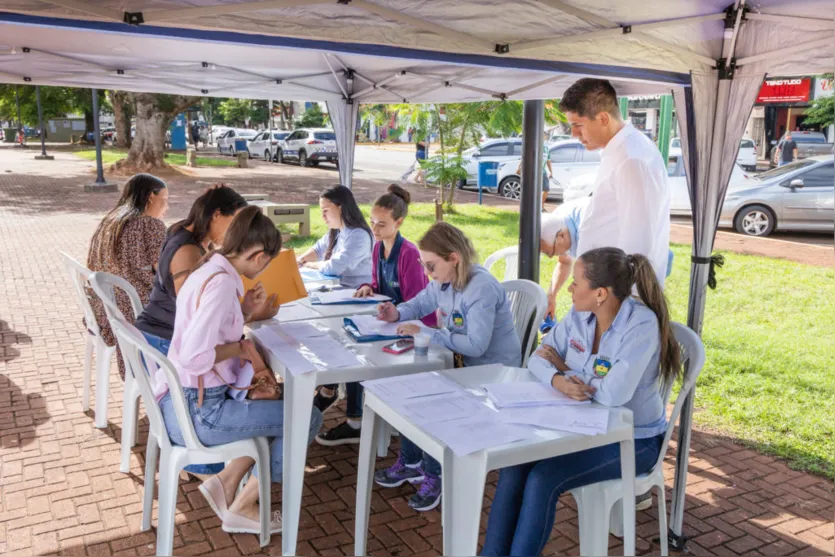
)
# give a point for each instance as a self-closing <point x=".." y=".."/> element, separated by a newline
<point x="325" y="136"/>
<point x="782" y="170"/>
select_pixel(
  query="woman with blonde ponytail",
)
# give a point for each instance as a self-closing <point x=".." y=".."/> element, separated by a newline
<point x="614" y="349"/>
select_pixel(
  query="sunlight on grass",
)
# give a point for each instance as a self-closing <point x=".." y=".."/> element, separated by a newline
<point x="769" y="335"/>
<point x="110" y="156"/>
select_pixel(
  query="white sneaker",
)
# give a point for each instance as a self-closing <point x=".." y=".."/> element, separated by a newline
<point x="236" y="524"/>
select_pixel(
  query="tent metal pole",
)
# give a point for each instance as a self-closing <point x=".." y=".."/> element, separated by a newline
<point x="802" y="47"/>
<point x="526" y="88"/>
<point x="791" y="20"/>
<point x="97" y="137"/>
<point x="530" y="204"/>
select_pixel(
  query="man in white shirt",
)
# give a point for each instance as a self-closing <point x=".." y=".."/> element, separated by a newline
<point x="630" y="208"/>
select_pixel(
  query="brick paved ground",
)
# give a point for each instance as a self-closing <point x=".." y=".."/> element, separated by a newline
<point x="60" y="488"/>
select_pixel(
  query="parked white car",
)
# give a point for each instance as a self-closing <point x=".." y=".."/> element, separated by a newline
<point x="493" y="150"/>
<point x="746" y="158"/>
<point x="217" y="132"/>
<point x="226" y="142"/>
<point x="568" y="159"/>
<point x="261" y="147"/>
<point x="309" y="146"/>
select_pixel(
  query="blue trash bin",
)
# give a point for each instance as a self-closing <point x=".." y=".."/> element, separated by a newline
<point x="487" y="176"/>
<point x="240" y="145"/>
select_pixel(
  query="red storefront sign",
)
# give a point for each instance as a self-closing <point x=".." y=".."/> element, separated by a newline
<point x="785" y="90"/>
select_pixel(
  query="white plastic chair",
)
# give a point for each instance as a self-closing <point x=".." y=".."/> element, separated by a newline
<point x="105" y="285"/>
<point x="92" y="342"/>
<point x="137" y="353"/>
<point x="528" y="302"/>
<point x="597" y="501"/>
<point x="510" y="255"/>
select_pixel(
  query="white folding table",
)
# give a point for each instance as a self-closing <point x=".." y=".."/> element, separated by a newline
<point x="464" y="477"/>
<point x="298" y="402"/>
<point x="311" y="311"/>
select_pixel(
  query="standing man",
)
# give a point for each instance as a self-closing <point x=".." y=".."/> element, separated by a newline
<point x="630" y="208"/>
<point x="788" y="151"/>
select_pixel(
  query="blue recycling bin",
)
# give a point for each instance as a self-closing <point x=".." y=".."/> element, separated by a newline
<point x="487" y="176"/>
<point x="178" y="133"/>
<point x="240" y="145"/>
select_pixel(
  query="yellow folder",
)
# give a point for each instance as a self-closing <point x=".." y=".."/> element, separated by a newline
<point x="281" y="277"/>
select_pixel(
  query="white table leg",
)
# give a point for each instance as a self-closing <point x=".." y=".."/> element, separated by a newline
<point x="463" y="493"/>
<point x="372" y="427"/>
<point x="298" y="403"/>
<point x="627" y="470"/>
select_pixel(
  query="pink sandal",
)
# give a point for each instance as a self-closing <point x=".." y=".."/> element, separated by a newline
<point x="236" y="524"/>
<point x="212" y="490"/>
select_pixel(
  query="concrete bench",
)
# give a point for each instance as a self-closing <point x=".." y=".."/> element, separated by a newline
<point x="286" y="213"/>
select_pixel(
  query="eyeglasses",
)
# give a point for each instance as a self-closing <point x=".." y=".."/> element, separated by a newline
<point x="429" y="266"/>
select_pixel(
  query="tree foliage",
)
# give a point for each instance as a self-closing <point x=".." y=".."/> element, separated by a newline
<point x="313" y="117"/>
<point x="55" y="102"/>
<point x="822" y="111"/>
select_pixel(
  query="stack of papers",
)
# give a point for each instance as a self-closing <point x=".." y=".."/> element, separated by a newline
<point x="286" y="352"/>
<point x="393" y="389"/>
<point x="301" y="330"/>
<point x="369" y="325"/>
<point x="329" y="352"/>
<point x="295" y="312"/>
<point x="302" y="355"/>
<point x="529" y="393"/>
<point x="345" y="296"/>
<point x="573" y="419"/>
<point x="478" y="433"/>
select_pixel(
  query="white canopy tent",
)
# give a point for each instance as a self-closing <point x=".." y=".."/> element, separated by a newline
<point x="711" y="54"/>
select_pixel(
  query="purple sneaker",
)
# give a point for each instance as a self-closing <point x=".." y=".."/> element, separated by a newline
<point x="398" y="474"/>
<point x="428" y="495"/>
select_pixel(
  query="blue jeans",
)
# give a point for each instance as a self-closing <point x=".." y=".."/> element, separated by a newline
<point x="412" y="454"/>
<point x="163" y="345"/>
<point x="525" y="503"/>
<point x="223" y="420"/>
<point x="353" y="398"/>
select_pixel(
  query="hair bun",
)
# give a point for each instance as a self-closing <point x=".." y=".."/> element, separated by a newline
<point x="394" y="189"/>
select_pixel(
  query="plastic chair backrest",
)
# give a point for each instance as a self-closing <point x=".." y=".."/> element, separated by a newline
<point x="140" y="358"/>
<point x="692" y="361"/>
<point x="105" y="285"/>
<point x="528" y="303"/>
<point x="80" y="276"/>
<point x="510" y="255"/>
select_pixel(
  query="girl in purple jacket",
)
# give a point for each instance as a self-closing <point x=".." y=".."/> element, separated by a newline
<point x="397" y="273"/>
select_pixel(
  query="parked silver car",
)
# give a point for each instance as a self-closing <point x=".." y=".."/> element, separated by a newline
<point x="797" y="196"/>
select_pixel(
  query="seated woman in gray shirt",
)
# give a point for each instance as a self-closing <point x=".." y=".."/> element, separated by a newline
<point x="345" y="251"/>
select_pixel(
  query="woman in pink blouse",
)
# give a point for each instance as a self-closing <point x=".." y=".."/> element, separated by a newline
<point x="211" y="358"/>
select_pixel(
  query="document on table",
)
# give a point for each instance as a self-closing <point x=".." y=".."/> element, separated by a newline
<point x="444" y="408"/>
<point x="301" y="330"/>
<point x="528" y="393"/>
<point x="473" y="434"/>
<point x="369" y="325"/>
<point x="574" y="419"/>
<point x="330" y="352"/>
<point x="295" y="312"/>
<point x="286" y="353"/>
<point x="411" y="386"/>
<point x="313" y="275"/>
<point x="345" y="296"/>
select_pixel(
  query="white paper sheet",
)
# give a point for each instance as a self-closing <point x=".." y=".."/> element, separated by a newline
<point x="286" y="353"/>
<point x="346" y="296"/>
<point x="574" y="419"/>
<point x="392" y="389"/>
<point x="528" y="393"/>
<point x="370" y="325"/>
<point x="475" y="434"/>
<point x="330" y="352"/>
<point x="301" y="330"/>
<point x="444" y="408"/>
<point x="295" y="312"/>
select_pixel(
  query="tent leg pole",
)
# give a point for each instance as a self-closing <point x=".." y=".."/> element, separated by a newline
<point x="530" y="203"/>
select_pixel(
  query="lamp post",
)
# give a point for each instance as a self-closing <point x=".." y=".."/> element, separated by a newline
<point x="100" y="185"/>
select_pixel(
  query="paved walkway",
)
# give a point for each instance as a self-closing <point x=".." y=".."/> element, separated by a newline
<point x="61" y="491"/>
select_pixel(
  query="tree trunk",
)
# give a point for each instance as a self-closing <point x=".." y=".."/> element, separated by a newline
<point x="122" y="103"/>
<point x="154" y="113"/>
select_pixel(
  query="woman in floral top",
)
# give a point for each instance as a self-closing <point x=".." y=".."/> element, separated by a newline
<point x="127" y="244"/>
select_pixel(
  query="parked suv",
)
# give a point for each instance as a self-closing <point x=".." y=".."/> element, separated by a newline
<point x="262" y="147"/>
<point x="809" y="144"/>
<point x="309" y="146"/>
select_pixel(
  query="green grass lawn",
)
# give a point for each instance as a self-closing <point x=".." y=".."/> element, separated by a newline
<point x="110" y="156"/>
<point x="769" y="332"/>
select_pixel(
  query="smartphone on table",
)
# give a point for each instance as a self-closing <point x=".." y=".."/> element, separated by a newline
<point x="399" y="347"/>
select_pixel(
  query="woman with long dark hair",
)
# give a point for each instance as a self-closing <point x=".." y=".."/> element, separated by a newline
<point x="127" y="244"/>
<point x="345" y="251"/>
<point x="610" y="348"/>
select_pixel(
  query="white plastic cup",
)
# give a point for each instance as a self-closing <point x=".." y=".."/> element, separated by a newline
<point x="422" y="341"/>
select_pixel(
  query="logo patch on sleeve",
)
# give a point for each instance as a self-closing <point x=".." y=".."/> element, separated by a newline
<point x="602" y="365"/>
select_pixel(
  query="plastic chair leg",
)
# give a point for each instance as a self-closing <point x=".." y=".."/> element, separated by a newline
<point x="168" y="485"/>
<point x="103" y="357"/>
<point x="662" y="520"/>
<point x="130" y="421"/>
<point x="151" y="454"/>
<point x="89" y="346"/>
<point x="264" y="480"/>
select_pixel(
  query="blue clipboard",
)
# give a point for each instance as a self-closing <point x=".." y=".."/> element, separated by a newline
<point x="352" y="330"/>
<point x="315" y="301"/>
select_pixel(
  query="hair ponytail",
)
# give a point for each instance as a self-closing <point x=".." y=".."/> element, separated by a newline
<point x="643" y="276"/>
<point x="612" y="268"/>
<point x="396" y="200"/>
